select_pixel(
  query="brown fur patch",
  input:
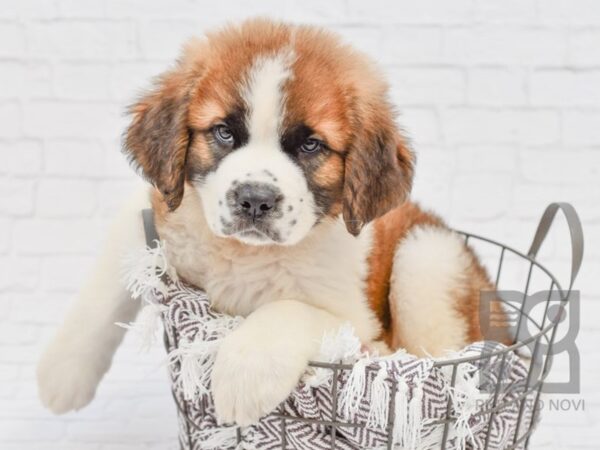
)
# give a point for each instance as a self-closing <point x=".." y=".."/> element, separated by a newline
<point x="337" y="93"/>
<point x="468" y="303"/>
<point x="317" y="95"/>
<point x="203" y="155"/>
<point x="205" y="113"/>
<point x="228" y="56"/>
<point x="378" y="175"/>
<point x="157" y="138"/>
<point x="388" y="231"/>
<point x="331" y="171"/>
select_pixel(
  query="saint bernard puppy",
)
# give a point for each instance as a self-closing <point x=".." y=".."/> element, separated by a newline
<point x="279" y="185"/>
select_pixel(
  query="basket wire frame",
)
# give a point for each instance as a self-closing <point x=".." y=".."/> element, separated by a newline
<point x="545" y="330"/>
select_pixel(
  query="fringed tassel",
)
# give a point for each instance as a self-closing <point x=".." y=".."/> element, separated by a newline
<point x="401" y="413"/>
<point x="415" y="418"/>
<point x="464" y="397"/>
<point x="144" y="279"/>
<point x="339" y="346"/>
<point x="143" y="271"/>
<point x="196" y="359"/>
<point x="216" y="328"/>
<point x="317" y="377"/>
<point x="408" y="422"/>
<point x="355" y="386"/>
<point x="380" y="399"/>
<point x="146" y="324"/>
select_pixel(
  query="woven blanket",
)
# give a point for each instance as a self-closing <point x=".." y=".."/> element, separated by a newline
<point x="365" y="402"/>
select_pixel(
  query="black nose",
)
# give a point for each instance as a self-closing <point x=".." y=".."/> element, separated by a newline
<point x="257" y="200"/>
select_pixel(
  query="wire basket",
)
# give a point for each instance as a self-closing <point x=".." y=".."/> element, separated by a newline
<point x="535" y="330"/>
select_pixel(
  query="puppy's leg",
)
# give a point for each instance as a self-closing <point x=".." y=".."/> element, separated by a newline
<point x="260" y="363"/>
<point x="434" y="292"/>
<point x="81" y="351"/>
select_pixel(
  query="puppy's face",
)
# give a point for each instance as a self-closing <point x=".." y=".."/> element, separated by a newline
<point x="258" y="171"/>
<point x="278" y="128"/>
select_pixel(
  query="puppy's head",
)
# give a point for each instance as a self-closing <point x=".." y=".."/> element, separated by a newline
<point x="277" y="127"/>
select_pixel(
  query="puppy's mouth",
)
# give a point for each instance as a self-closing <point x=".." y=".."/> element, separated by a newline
<point x="255" y="233"/>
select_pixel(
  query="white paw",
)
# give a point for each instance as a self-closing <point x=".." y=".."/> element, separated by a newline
<point x="68" y="382"/>
<point x="249" y="380"/>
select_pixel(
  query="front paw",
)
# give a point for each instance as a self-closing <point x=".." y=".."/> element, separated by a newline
<point x="68" y="382"/>
<point x="249" y="380"/>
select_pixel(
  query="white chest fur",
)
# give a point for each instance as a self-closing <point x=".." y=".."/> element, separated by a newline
<point x="327" y="269"/>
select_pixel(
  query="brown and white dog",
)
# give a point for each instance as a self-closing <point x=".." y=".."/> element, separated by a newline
<point x="280" y="186"/>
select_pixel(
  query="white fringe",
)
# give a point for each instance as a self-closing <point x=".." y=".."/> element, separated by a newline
<point x="414" y="425"/>
<point x="408" y="420"/>
<point x="341" y="345"/>
<point x="143" y="276"/>
<point x="380" y="399"/>
<point x="400" y="413"/>
<point x="352" y="394"/>
<point x="146" y="324"/>
<point x="216" y="328"/>
<point x="337" y="346"/>
<point x="197" y="357"/>
<point x="464" y="398"/>
<point x="143" y="271"/>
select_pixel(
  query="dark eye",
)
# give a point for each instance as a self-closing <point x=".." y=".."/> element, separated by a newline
<point x="224" y="135"/>
<point x="311" y="145"/>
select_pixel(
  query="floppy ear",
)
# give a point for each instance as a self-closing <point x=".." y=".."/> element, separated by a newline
<point x="157" y="139"/>
<point x="378" y="174"/>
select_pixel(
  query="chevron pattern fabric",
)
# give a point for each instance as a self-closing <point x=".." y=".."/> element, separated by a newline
<point x="392" y="402"/>
<point x="312" y="418"/>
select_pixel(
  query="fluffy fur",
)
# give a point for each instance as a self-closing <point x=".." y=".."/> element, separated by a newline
<point x="303" y="123"/>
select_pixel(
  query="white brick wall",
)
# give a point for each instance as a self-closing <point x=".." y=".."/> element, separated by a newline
<point x="501" y="99"/>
